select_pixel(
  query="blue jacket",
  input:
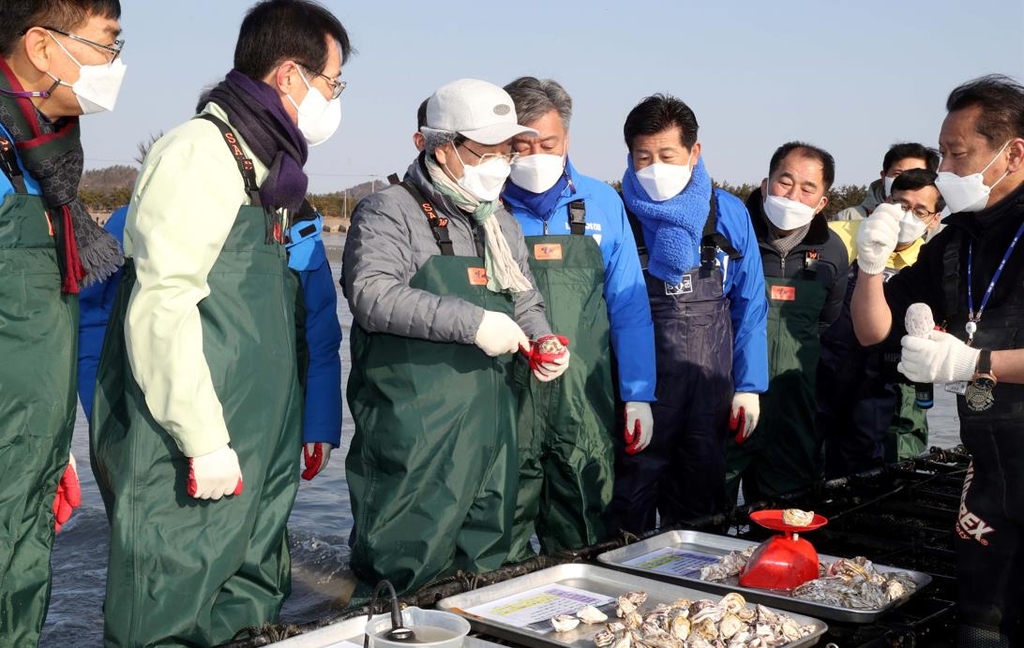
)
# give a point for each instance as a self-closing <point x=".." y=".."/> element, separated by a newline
<point x="31" y="186"/>
<point x="322" y="409"/>
<point x="625" y="292"/>
<point x="744" y="288"/>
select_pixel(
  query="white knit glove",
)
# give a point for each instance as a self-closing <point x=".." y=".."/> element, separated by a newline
<point x="746" y="409"/>
<point x="548" y="371"/>
<point x="940" y="359"/>
<point x="215" y="474"/>
<point x="877" y="238"/>
<point x="639" y="426"/>
<point x="498" y="333"/>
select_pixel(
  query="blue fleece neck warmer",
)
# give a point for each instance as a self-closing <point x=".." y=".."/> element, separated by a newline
<point x="678" y="222"/>
<point x="543" y="204"/>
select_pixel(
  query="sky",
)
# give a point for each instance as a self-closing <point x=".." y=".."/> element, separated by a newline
<point x="853" y="77"/>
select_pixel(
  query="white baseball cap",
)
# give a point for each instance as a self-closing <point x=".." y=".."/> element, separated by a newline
<point x="475" y="109"/>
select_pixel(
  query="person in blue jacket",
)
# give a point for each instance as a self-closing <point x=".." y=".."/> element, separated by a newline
<point x="318" y="317"/>
<point x="706" y="289"/>
<point x="584" y="261"/>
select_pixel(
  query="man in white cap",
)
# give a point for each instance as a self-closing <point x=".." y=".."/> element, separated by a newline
<point x="436" y="273"/>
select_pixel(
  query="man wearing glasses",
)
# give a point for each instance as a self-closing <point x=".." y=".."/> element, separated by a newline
<point x="197" y="419"/>
<point x="57" y="61"/>
<point x="438" y="280"/>
<point x="866" y="409"/>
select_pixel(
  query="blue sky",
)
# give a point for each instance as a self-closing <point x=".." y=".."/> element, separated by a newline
<point x="852" y="77"/>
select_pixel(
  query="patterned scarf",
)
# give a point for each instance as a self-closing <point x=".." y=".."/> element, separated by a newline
<point x="52" y="154"/>
<point x="255" y="112"/>
<point x="503" y="273"/>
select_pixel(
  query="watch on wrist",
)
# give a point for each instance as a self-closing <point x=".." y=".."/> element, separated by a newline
<point x="979" y="391"/>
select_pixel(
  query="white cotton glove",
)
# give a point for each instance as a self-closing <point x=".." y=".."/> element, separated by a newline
<point x="498" y="333"/>
<point x="877" y="238"/>
<point x="746" y="409"/>
<point x="639" y="426"/>
<point x="548" y="371"/>
<point x="316" y="456"/>
<point x="940" y="359"/>
<point x="214" y="474"/>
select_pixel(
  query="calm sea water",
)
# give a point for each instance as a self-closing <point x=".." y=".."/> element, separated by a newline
<point x="320" y="523"/>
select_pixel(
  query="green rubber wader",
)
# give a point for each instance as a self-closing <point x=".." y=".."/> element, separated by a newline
<point x="188" y="571"/>
<point x="783" y="453"/>
<point x="566" y="425"/>
<point x="432" y="469"/>
<point x="38" y="350"/>
<point x="908" y="434"/>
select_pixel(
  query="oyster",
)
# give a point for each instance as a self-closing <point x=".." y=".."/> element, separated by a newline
<point x="624" y="606"/>
<point x="589" y="614"/>
<point x="638" y="598"/>
<point x="679" y="627"/>
<point x="797" y="517"/>
<point x="604" y="638"/>
<point x="733" y="602"/>
<point x="551" y="344"/>
<point x="730" y="625"/>
<point x="564" y="622"/>
<point x="729" y="565"/>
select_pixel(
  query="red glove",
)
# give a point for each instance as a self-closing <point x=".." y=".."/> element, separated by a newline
<point x="638" y="435"/>
<point x="315" y="455"/>
<point x="69" y="494"/>
<point x="744" y="414"/>
<point x="544" y="364"/>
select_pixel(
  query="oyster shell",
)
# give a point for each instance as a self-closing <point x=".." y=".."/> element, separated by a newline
<point x="797" y="517"/>
<point x="564" y="622"/>
<point x="589" y="614"/>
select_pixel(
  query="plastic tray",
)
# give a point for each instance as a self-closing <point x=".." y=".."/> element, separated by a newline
<point x="702" y="547"/>
<point x="591" y="578"/>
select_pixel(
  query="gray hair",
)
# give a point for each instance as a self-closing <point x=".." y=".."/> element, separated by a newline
<point x="434" y="138"/>
<point x="534" y="98"/>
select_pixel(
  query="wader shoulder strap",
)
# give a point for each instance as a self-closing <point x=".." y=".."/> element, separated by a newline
<point x="9" y="164"/>
<point x="438" y="224"/>
<point x="951" y="276"/>
<point x="577" y="218"/>
<point x="245" y="165"/>
<point x="714" y="240"/>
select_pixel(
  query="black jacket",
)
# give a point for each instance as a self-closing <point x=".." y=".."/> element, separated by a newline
<point x="832" y="260"/>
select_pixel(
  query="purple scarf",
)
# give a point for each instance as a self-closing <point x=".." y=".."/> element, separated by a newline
<point x="255" y="112"/>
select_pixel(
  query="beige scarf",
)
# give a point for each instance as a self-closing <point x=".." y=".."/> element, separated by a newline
<point x="503" y="273"/>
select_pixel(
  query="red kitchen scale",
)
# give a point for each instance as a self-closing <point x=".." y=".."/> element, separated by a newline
<point x="783" y="561"/>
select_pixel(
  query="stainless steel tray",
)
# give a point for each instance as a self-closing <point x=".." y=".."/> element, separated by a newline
<point x="715" y="546"/>
<point x="592" y="578"/>
<point x="350" y="631"/>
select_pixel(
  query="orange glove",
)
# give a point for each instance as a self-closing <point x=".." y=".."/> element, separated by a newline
<point x="69" y="494"/>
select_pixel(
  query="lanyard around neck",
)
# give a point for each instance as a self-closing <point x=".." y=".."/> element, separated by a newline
<point x="972" y="316"/>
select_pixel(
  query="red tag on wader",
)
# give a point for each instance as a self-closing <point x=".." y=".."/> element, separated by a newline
<point x="477" y="276"/>
<point x="784" y="293"/>
<point x="548" y="251"/>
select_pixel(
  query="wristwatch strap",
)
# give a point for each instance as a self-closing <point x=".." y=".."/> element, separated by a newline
<point x="985" y="362"/>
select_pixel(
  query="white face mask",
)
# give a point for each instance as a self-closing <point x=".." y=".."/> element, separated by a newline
<point x="967" y="193"/>
<point x="97" y="86"/>
<point x="911" y="227"/>
<point x="786" y="214"/>
<point x="888" y="185"/>
<point x="539" y="172"/>
<point x="484" y="181"/>
<point x="663" y="181"/>
<point x="318" y="117"/>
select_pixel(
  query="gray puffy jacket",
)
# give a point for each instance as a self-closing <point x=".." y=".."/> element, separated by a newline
<point x="390" y="239"/>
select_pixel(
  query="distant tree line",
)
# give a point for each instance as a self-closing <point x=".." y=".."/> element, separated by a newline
<point x="104" y="190"/>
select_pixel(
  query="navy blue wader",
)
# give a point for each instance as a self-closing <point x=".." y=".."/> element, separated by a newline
<point x="681" y="474"/>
